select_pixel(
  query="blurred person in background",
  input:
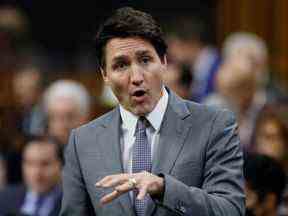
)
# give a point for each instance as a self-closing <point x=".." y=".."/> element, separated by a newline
<point x="41" y="192"/>
<point x="27" y="88"/>
<point x="67" y="105"/>
<point x="241" y="81"/>
<point x="178" y="78"/>
<point x="271" y="135"/>
<point x="236" y="86"/>
<point x="3" y="172"/>
<point x="249" y="47"/>
<point x="249" y="51"/>
<point x="14" y="39"/>
<point x="189" y="44"/>
<point x="265" y="183"/>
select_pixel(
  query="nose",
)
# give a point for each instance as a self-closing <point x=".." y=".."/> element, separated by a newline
<point x="35" y="172"/>
<point x="136" y="76"/>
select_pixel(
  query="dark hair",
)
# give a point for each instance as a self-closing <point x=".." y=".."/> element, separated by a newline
<point x="264" y="175"/>
<point x="47" y="140"/>
<point x="128" y="22"/>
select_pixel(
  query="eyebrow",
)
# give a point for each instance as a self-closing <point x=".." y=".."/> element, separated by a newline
<point x="143" y="52"/>
<point x="138" y="53"/>
<point x="119" y="58"/>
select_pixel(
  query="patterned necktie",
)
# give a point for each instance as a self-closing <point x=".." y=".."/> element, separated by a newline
<point x="141" y="161"/>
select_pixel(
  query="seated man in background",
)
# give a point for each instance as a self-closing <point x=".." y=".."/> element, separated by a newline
<point x="265" y="183"/>
<point x="67" y="105"/>
<point x="41" y="194"/>
<point x="27" y="89"/>
<point x="231" y="80"/>
<point x="193" y="47"/>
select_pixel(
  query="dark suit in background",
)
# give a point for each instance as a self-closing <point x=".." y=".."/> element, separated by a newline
<point x="12" y="199"/>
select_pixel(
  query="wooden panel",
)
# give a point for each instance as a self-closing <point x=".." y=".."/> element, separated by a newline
<point x="280" y="45"/>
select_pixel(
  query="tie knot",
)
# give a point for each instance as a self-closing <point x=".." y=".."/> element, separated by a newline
<point x="142" y="124"/>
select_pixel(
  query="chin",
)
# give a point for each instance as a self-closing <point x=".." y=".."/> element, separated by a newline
<point x="40" y="190"/>
<point x="141" y="111"/>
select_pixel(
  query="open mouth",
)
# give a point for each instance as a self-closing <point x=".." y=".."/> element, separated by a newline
<point x="139" y="96"/>
<point x="139" y="93"/>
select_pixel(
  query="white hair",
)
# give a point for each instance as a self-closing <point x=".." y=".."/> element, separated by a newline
<point x="68" y="89"/>
<point x="239" y="40"/>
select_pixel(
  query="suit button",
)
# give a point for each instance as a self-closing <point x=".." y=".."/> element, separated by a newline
<point x="182" y="209"/>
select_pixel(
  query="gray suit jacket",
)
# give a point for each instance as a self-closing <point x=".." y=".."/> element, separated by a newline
<point x="199" y="156"/>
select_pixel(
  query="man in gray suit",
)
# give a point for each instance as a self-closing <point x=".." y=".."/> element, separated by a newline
<point x="154" y="154"/>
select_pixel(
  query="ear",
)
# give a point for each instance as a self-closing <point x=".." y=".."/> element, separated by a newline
<point x="104" y="75"/>
<point x="164" y="61"/>
<point x="164" y="64"/>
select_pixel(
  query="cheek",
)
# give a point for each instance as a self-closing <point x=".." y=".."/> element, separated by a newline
<point x="119" y="86"/>
<point x="28" y="173"/>
<point x="155" y="82"/>
<point x="53" y="174"/>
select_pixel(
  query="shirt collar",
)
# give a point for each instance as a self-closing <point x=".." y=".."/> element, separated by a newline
<point x="129" y="120"/>
<point x="155" y="117"/>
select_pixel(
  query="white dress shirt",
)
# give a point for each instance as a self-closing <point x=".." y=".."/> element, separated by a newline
<point x="128" y="127"/>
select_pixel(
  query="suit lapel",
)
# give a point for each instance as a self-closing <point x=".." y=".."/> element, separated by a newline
<point x="110" y="143"/>
<point x="173" y="132"/>
<point x="111" y="148"/>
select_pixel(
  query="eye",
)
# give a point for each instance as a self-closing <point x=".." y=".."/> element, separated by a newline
<point x="119" y="66"/>
<point x="145" y="59"/>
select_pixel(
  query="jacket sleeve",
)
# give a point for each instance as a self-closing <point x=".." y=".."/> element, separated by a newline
<point x="75" y="199"/>
<point x="222" y="191"/>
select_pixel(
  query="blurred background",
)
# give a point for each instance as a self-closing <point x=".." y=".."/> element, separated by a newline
<point x="232" y="54"/>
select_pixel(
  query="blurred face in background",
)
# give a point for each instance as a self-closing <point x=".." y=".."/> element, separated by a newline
<point x="270" y="140"/>
<point x="63" y="115"/>
<point x="26" y="86"/>
<point x="41" y="167"/>
<point x="237" y="83"/>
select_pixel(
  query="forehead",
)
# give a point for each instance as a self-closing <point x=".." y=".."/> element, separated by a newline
<point x="39" y="150"/>
<point x="63" y="104"/>
<point x="117" y="47"/>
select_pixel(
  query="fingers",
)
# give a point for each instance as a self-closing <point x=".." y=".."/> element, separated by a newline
<point x="119" y="181"/>
<point x="145" y="182"/>
<point x="109" y="197"/>
<point x="119" y="190"/>
<point x="142" y="192"/>
<point x="112" y="180"/>
<point x="123" y="188"/>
